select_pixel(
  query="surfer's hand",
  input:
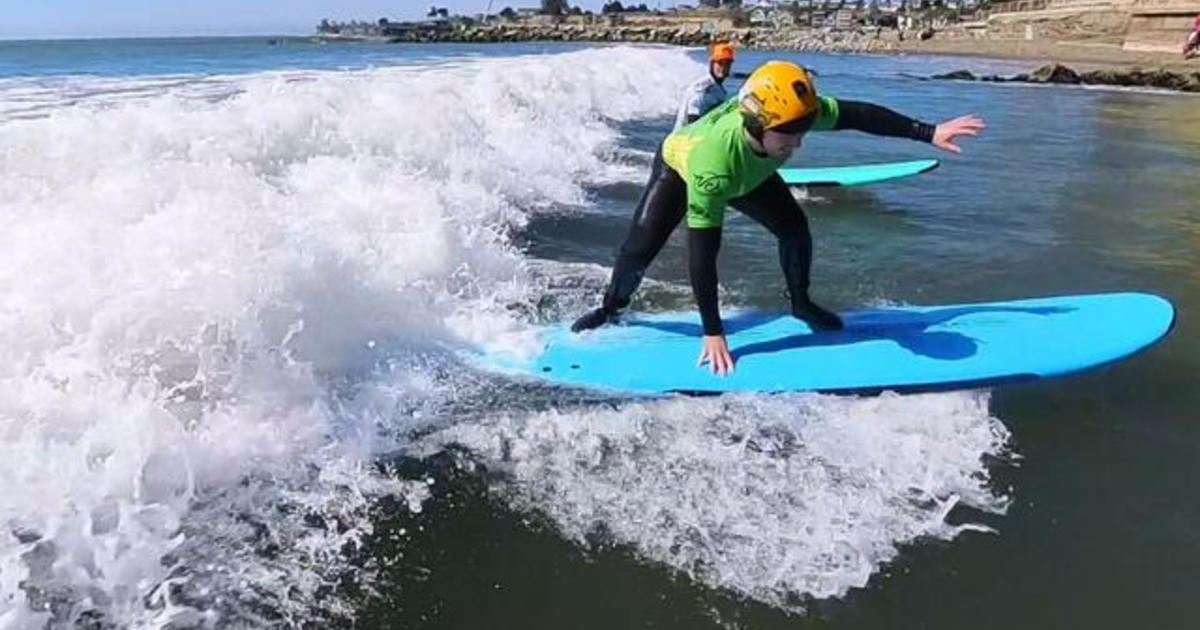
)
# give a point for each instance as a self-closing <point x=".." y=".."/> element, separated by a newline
<point x="715" y="352"/>
<point x="946" y="133"/>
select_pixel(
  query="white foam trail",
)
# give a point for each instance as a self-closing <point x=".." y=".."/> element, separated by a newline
<point x="773" y="497"/>
<point x="197" y="291"/>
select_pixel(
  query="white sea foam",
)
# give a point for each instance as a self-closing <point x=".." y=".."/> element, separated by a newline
<point x="774" y="497"/>
<point x="198" y="290"/>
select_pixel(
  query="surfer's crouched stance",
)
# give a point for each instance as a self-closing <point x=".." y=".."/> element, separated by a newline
<point x="730" y="157"/>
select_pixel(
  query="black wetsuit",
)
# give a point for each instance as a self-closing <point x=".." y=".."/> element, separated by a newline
<point x="664" y="203"/>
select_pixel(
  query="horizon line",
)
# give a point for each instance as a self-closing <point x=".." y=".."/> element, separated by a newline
<point x="43" y="38"/>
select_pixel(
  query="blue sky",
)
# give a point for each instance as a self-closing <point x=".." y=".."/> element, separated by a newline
<point x="124" y="18"/>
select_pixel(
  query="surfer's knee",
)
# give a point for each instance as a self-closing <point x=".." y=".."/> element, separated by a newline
<point x="638" y="254"/>
<point x="794" y="234"/>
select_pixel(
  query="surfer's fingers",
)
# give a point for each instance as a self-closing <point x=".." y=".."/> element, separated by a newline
<point x="963" y="129"/>
<point x="947" y="145"/>
<point x="720" y="363"/>
<point x="964" y="124"/>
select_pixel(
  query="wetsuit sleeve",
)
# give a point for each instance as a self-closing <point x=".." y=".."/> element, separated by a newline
<point x="703" y="246"/>
<point x="837" y="114"/>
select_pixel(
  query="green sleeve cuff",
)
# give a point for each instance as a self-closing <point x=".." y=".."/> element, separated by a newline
<point x="828" y="116"/>
<point x="705" y="216"/>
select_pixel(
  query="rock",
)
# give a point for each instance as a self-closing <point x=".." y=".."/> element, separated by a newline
<point x="1193" y="83"/>
<point x="1054" y="73"/>
<point x="957" y="75"/>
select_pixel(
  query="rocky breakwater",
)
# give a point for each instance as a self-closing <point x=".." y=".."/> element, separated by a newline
<point x="1183" y="81"/>
<point x="686" y="35"/>
<point x="682" y="34"/>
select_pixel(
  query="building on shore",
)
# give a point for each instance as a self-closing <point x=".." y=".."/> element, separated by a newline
<point x="1138" y="25"/>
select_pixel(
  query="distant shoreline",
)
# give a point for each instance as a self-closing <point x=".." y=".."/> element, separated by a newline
<point x="1094" y="62"/>
<point x="1087" y="61"/>
<point x="127" y="38"/>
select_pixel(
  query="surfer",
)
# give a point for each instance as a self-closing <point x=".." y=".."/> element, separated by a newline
<point x="709" y="91"/>
<point x="730" y="157"/>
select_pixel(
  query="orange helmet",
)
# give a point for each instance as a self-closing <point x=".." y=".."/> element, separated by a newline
<point x="778" y="93"/>
<point x="721" y="52"/>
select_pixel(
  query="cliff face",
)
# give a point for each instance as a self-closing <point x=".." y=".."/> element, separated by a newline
<point x="1138" y="25"/>
<point x="1160" y="25"/>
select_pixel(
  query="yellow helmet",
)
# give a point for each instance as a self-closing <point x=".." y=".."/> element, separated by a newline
<point x="779" y="93"/>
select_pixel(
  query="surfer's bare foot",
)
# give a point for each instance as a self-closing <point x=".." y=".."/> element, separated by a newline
<point x="592" y="319"/>
<point x="816" y="317"/>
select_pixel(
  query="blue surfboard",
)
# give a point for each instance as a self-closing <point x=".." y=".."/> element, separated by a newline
<point x="855" y="175"/>
<point x="910" y="348"/>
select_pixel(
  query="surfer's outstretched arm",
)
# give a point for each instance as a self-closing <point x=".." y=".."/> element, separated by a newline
<point x="704" y="243"/>
<point x="881" y="121"/>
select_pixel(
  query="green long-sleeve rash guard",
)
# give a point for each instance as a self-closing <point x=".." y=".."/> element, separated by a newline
<point x="715" y="160"/>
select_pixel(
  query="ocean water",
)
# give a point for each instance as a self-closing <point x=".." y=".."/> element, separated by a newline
<point x="237" y="274"/>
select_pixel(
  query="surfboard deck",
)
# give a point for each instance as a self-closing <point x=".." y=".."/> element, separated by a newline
<point x="855" y="175"/>
<point x="903" y="348"/>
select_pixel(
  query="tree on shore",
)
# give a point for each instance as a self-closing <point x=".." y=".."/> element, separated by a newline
<point x="554" y="7"/>
<point x="616" y="7"/>
<point x="508" y="13"/>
